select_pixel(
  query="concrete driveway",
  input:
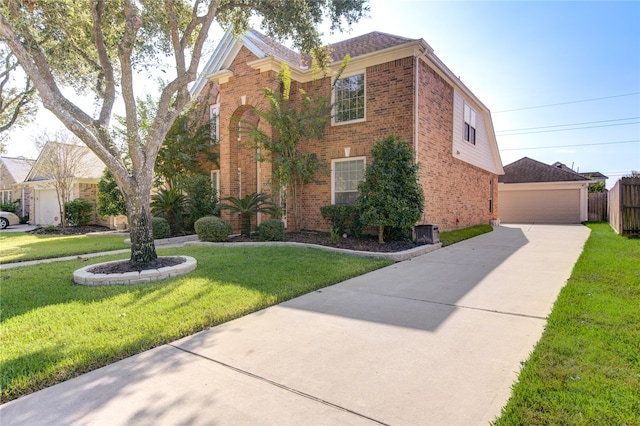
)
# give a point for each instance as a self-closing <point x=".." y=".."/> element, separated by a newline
<point x="19" y="228"/>
<point x="435" y="340"/>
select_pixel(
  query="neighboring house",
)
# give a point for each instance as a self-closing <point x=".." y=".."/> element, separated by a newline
<point x="392" y="85"/>
<point x="597" y="177"/>
<point x="14" y="171"/>
<point x="85" y="174"/>
<point x="534" y="192"/>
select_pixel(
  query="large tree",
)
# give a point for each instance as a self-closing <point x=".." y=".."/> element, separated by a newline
<point x="98" y="46"/>
<point x="17" y="95"/>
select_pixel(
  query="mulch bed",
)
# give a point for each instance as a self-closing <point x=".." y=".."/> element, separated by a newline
<point x="69" y="230"/>
<point x="124" y="266"/>
<point x="365" y="243"/>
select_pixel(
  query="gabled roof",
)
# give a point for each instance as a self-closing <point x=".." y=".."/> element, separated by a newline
<point x="526" y="170"/>
<point x="263" y="47"/>
<point x="365" y="44"/>
<point x="591" y="175"/>
<point x="91" y="167"/>
<point x="18" y="167"/>
<point x="268" y="47"/>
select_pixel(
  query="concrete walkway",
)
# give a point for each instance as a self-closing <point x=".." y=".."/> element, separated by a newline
<point x="436" y="340"/>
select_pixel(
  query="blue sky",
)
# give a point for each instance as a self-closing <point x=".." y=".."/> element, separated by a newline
<point x="516" y="55"/>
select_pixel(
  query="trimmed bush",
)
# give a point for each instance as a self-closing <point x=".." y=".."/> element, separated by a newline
<point x="212" y="229"/>
<point x="343" y="218"/>
<point x="160" y="227"/>
<point x="271" y="230"/>
<point x="78" y="212"/>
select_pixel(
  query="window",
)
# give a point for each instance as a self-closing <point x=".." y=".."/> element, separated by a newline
<point x="469" y="124"/>
<point x="215" y="181"/>
<point x="349" y="99"/>
<point x="5" y="196"/>
<point x="214" y="120"/>
<point x="346" y="176"/>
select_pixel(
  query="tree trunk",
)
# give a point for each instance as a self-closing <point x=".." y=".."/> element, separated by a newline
<point x="245" y="224"/>
<point x="381" y="234"/>
<point x="143" y="250"/>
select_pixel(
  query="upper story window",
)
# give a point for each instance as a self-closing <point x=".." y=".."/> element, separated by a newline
<point x="346" y="175"/>
<point x="469" y="124"/>
<point x="214" y="120"/>
<point x="349" y="99"/>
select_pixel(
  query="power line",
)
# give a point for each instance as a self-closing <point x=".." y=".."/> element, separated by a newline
<point x="567" y="103"/>
<point x="565" y="130"/>
<point x="570" y="146"/>
<point x="565" y="125"/>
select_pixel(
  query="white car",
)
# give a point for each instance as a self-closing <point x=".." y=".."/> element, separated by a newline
<point x="8" y="219"/>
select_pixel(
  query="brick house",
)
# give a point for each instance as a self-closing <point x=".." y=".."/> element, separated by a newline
<point x="44" y="208"/>
<point x="392" y="85"/>
<point x="13" y="172"/>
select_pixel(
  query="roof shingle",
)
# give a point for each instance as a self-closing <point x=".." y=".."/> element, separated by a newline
<point x="526" y="170"/>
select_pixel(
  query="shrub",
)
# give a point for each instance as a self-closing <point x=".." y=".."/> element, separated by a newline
<point x="271" y="230"/>
<point x="160" y="227"/>
<point x="78" y="212"/>
<point x="200" y="198"/>
<point x="11" y="206"/>
<point x="169" y="204"/>
<point x="390" y="194"/>
<point x="213" y="229"/>
<point x="343" y="218"/>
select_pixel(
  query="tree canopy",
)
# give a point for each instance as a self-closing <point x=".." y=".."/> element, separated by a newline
<point x="98" y="46"/>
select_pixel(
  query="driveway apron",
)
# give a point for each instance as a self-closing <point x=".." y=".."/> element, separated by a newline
<point x="434" y="340"/>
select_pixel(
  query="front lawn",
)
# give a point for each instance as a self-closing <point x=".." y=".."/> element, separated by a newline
<point x="53" y="330"/>
<point x="20" y="246"/>
<point x="585" y="370"/>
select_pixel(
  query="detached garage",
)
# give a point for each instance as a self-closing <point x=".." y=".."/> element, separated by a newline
<point x="534" y="192"/>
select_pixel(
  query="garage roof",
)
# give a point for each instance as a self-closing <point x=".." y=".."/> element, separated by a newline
<point x="527" y="170"/>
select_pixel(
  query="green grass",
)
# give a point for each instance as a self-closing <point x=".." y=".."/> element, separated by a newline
<point x="53" y="330"/>
<point x="585" y="370"/>
<point x="20" y="246"/>
<point x="451" y="237"/>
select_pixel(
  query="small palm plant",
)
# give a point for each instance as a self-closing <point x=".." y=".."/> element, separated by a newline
<point x="247" y="207"/>
<point x="169" y="204"/>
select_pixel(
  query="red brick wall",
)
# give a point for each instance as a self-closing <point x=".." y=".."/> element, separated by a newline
<point x="389" y="110"/>
<point x="456" y="192"/>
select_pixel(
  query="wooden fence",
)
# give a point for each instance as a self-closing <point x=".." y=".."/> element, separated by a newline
<point x="597" y="207"/>
<point x="624" y="207"/>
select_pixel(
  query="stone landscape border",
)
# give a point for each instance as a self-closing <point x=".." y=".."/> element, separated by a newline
<point x="82" y="276"/>
<point x="397" y="256"/>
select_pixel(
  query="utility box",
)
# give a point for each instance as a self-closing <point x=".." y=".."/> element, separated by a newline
<point x="427" y="234"/>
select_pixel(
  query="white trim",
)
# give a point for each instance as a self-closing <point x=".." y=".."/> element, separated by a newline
<point x="333" y="172"/>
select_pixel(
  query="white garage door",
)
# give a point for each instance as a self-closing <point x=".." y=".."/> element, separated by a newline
<point x="47" y="208"/>
<point x="540" y="206"/>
